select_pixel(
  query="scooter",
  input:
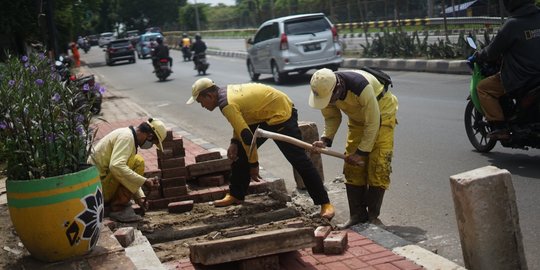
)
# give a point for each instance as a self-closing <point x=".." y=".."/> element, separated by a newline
<point x="163" y="69"/>
<point x="186" y="53"/>
<point x="201" y="65"/>
<point x="88" y="94"/>
<point x="521" y="111"/>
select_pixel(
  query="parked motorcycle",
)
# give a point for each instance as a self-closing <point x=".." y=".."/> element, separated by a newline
<point x="186" y="53"/>
<point x="201" y="65"/>
<point x="85" y="83"/>
<point x="521" y="111"/>
<point x="163" y="69"/>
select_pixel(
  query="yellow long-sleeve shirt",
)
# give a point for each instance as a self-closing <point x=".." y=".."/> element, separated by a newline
<point x="360" y="105"/>
<point x="111" y="155"/>
<point x="253" y="103"/>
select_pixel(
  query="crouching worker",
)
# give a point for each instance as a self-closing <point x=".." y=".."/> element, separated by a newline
<point x="121" y="169"/>
<point x="246" y="107"/>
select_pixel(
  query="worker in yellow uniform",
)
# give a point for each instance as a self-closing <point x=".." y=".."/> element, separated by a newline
<point x="121" y="169"/>
<point x="246" y="107"/>
<point x="371" y="110"/>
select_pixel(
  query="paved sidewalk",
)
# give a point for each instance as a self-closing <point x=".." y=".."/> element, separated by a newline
<point x="370" y="247"/>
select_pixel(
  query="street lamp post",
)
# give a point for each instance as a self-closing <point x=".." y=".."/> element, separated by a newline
<point x="197" y="16"/>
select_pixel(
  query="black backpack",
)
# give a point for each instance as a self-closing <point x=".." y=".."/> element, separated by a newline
<point x="381" y="76"/>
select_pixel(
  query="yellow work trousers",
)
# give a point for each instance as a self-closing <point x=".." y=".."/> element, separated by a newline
<point x="110" y="184"/>
<point x="376" y="172"/>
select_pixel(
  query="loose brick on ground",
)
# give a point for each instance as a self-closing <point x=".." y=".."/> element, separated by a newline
<point x="209" y="167"/>
<point x="335" y="242"/>
<point x="320" y="234"/>
<point x="180" y="207"/>
<point x="208" y="156"/>
<point x="173" y="182"/>
<point x="174" y="172"/>
<point x="125" y="236"/>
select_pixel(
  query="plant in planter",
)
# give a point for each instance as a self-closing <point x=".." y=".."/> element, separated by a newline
<point x="55" y="199"/>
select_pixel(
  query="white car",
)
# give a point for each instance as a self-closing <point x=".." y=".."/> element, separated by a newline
<point x="294" y="43"/>
<point x="105" y="38"/>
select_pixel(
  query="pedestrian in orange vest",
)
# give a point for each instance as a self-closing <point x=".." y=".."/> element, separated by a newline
<point x="76" y="55"/>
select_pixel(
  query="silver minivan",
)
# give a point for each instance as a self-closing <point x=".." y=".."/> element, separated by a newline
<point x="295" y="43"/>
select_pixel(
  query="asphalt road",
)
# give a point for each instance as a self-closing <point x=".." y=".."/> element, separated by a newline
<point x="430" y="144"/>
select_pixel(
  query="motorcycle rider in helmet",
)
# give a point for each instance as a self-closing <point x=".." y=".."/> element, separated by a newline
<point x="197" y="47"/>
<point x="160" y="51"/>
<point x="517" y="44"/>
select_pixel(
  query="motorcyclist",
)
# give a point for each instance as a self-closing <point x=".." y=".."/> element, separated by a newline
<point x="185" y="44"/>
<point x="160" y="51"/>
<point x="197" y="47"/>
<point x="517" y="45"/>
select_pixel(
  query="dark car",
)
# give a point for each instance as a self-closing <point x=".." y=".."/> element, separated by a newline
<point x="119" y="50"/>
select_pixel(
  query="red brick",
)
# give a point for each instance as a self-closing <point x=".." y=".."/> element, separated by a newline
<point x="208" y="156"/>
<point x="335" y="242"/>
<point x="154" y="173"/>
<point x="358" y="251"/>
<point x="209" y="167"/>
<point x="173" y="182"/>
<point x="169" y="135"/>
<point x="211" y="194"/>
<point x="174" y="142"/>
<point x="180" y="207"/>
<point x="171" y="163"/>
<point x="384" y="260"/>
<point x="110" y="223"/>
<point x="174" y="191"/>
<point x="374" y="248"/>
<point x="406" y="265"/>
<point x="258" y="187"/>
<point x="295" y="224"/>
<point x="354" y="263"/>
<point x="337" y="266"/>
<point x="359" y="243"/>
<point x="162" y="203"/>
<point x="320" y="234"/>
<point x="154" y="194"/>
<point x="165" y="154"/>
<point x="176" y="146"/>
<point x="332" y="258"/>
<point x="173" y="173"/>
<point x="265" y="262"/>
<point x="354" y="236"/>
<point x="211" y="180"/>
<point x="378" y="255"/>
<point x="125" y="236"/>
<point x="386" y="266"/>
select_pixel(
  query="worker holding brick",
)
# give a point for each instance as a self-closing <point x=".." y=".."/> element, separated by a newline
<point x="246" y="107"/>
<point x="371" y="109"/>
<point x="121" y="169"/>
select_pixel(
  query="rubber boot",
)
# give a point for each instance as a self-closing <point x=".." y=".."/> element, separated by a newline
<point x="357" y="208"/>
<point x="374" y="201"/>
<point x="328" y="211"/>
<point x="226" y="201"/>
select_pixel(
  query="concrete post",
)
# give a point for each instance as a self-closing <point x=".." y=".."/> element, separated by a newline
<point x="309" y="135"/>
<point x="487" y="219"/>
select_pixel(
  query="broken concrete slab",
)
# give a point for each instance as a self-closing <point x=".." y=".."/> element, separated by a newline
<point x="251" y="246"/>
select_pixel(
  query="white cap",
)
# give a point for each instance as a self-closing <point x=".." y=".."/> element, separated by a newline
<point x="322" y="83"/>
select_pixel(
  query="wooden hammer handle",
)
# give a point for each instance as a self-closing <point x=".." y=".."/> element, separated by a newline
<point x="280" y="137"/>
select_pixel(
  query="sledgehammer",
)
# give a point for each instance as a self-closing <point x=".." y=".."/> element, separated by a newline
<point x="261" y="133"/>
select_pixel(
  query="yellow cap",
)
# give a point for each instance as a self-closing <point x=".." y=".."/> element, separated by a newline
<point x="159" y="130"/>
<point x="198" y="87"/>
<point x="322" y="83"/>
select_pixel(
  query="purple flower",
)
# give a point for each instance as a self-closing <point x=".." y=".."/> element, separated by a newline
<point x="26" y="65"/>
<point x="80" y="130"/>
<point x="11" y="82"/>
<point x="24" y="59"/>
<point x="51" y="137"/>
<point x="102" y="90"/>
<point x="3" y="125"/>
<point x="56" y="97"/>
<point x="41" y="56"/>
<point x="96" y="86"/>
<point x="39" y="82"/>
<point x="79" y="118"/>
<point x="86" y="87"/>
<point x="33" y="69"/>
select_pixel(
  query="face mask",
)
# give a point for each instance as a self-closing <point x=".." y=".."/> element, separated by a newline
<point x="147" y="145"/>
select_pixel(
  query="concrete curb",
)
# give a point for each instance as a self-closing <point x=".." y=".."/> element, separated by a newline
<point x="397" y="64"/>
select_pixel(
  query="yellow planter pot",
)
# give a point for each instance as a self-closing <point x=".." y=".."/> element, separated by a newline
<point x="59" y="217"/>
